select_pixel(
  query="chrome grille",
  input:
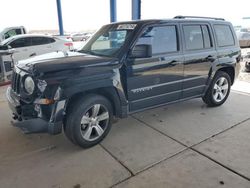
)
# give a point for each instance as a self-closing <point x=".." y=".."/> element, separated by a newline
<point x="15" y="82"/>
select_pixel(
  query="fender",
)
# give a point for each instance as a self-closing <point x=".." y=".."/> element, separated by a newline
<point x="225" y="63"/>
<point x="107" y="84"/>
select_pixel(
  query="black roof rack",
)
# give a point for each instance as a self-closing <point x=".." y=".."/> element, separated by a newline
<point x="183" y="17"/>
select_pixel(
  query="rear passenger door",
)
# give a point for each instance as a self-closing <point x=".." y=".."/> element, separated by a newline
<point x="41" y="45"/>
<point x="156" y="80"/>
<point x="199" y="55"/>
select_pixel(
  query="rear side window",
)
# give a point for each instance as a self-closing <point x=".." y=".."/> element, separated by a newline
<point x="22" y="42"/>
<point x="41" y="40"/>
<point x="224" y="35"/>
<point x="197" y="37"/>
<point x="18" y="31"/>
<point x="162" y="39"/>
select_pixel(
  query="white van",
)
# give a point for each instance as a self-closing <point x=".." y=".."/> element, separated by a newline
<point x="11" y="31"/>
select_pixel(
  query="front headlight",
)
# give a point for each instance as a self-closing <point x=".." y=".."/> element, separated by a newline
<point x="29" y="85"/>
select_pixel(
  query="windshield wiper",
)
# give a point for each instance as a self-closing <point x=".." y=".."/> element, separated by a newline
<point x="91" y="53"/>
<point x="86" y="52"/>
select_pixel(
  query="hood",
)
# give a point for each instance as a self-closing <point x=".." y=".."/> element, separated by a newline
<point x="59" y="61"/>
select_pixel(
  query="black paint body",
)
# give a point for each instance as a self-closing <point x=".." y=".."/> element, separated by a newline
<point x="131" y="84"/>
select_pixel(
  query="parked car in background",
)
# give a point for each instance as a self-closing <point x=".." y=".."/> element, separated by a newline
<point x="30" y="45"/>
<point x="11" y="31"/>
<point x="80" y="36"/>
<point x="65" y="37"/>
<point x="5" y="65"/>
<point x="246" y="60"/>
<point x="241" y="30"/>
<point x="244" y="39"/>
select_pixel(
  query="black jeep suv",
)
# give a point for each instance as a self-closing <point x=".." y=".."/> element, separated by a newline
<point x="124" y="68"/>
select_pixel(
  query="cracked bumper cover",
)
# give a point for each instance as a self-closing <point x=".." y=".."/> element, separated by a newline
<point x="38" y="124"/>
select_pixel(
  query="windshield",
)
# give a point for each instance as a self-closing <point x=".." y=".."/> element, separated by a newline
<point x="4" y="42"/>
<point x="109" y="40"/>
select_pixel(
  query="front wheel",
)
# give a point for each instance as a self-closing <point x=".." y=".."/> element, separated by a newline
<point x="89" y="120"/>
<point x="247" y="67"/>
<point x="218" y="90"/>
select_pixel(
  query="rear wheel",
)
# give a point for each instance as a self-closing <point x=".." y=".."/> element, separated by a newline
<point x="89" y="120"/>
<point x="247" y="67"/>
<point x="218" y="90"/>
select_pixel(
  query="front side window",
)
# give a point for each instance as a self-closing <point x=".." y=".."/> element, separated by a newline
<point x="163" y="39"/>
<point x="109" y="40"/>
<point x="224" y="35"/>
<point x="19" y="43"/>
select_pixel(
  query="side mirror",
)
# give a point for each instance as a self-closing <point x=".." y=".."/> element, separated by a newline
<point x="4" y="47"/>
<point x="12" y="50"/>
<point x="141" y="51"/>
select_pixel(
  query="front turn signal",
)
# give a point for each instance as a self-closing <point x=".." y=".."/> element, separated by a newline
<point x="44" y="101"/>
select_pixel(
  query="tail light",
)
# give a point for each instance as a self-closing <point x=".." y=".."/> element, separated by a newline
<point x="69" y="44"/>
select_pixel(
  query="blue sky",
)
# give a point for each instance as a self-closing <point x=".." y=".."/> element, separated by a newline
<point x="91" y="14"/>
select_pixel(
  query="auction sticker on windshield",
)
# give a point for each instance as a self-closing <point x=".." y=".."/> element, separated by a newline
<point x="126" y="26"/>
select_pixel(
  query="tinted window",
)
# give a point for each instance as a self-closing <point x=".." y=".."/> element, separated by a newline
<point x="197" y="37"/>
<point x="22" y="42"/>
<point x="41" y="40"/>
<point x="18" y="31"/>
<point x="163" y="39"/>
<point x="224" y="35"/>
<point x="193" y="37"/>
<point x="206" y="37"/>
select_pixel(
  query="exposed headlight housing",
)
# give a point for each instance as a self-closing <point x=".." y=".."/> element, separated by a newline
<point x="29" y="85"/>
<point x="58" y="94"/>
<point x="42" y="84"/>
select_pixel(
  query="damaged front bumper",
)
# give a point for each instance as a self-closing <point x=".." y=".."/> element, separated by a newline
<point x="30" y="123"/>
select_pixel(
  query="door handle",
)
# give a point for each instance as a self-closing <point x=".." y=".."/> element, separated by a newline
<point x="173" y="63"/>
<point x="210" y="58"/>
<point x="33" y="54"/>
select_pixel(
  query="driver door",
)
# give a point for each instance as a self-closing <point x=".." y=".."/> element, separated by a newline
<point x="156" y="80"/>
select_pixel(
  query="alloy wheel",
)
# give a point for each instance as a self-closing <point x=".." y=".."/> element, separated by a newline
<point x="94" y="122"/>
<point x="220" y="89"/>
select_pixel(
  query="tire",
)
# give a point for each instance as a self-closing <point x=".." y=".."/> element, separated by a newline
<point x="219" y="89"/>
<point x="88" y="120"/>
<point x="247" y="68"/>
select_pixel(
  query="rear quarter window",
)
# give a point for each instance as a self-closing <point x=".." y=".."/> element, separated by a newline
<point x="224" y="35"/>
